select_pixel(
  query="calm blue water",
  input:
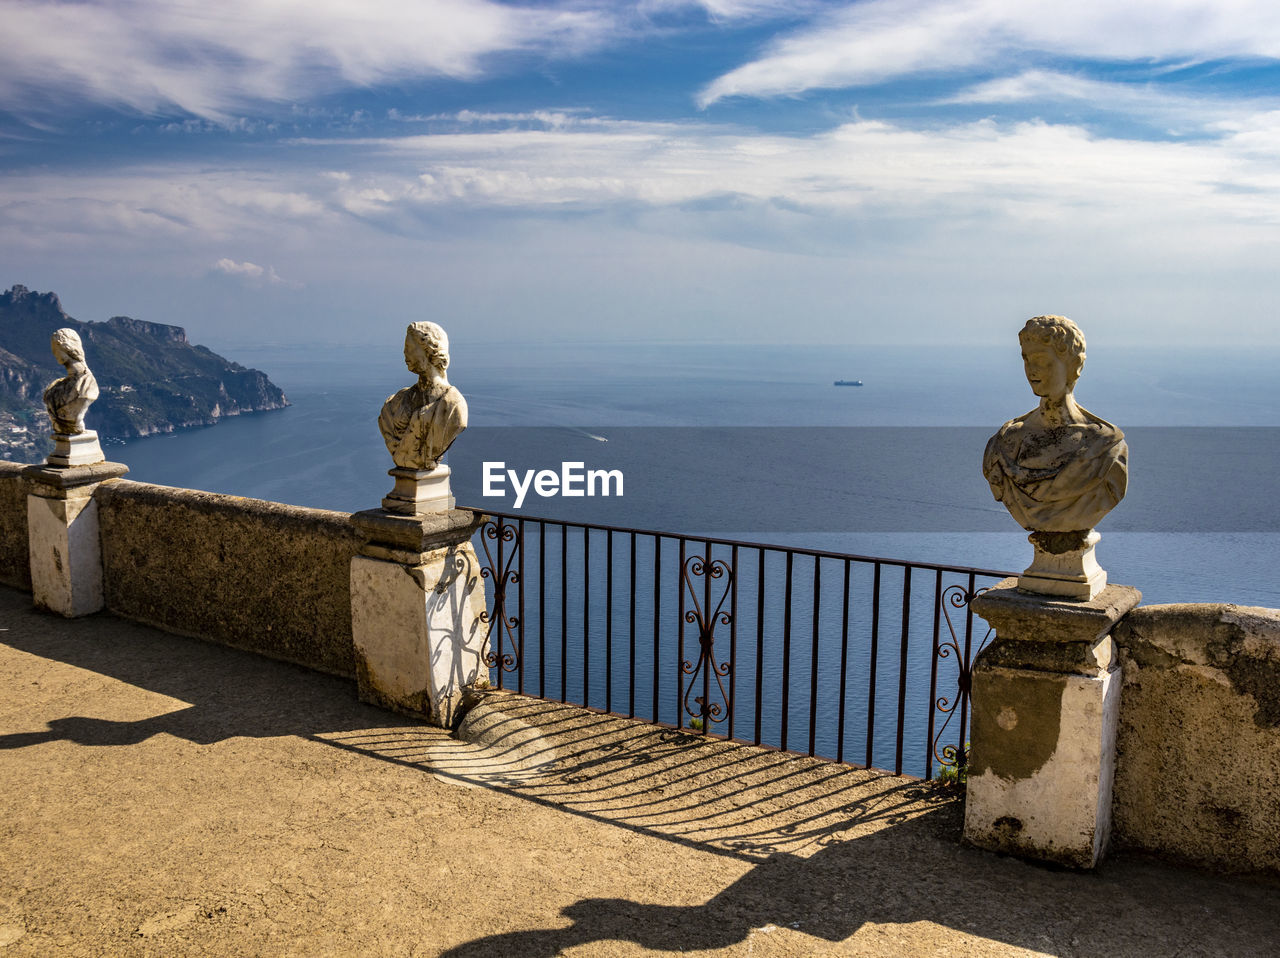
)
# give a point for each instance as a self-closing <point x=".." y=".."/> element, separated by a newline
<point x="889" y="469"/>
<point x="325" y="450"/>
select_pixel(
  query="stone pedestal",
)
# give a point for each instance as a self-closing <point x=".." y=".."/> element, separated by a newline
<point x="1064" y="564"/>
<point x="419" y="492"/>
<point x="63" y="544"/>
<point x="1046" y="700"/>
<point x="417" y="612"/>
<point x="77" y="449"/>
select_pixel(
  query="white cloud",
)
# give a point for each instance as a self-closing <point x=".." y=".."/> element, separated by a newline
<point x="251" y="273"/>
<point x="608" y="215"/>
<point x="687" y="230"/>
<point x="880" y="40"/>
<point x="1011" y="173"/>
<point x="1148" y="103"/>
<point x="1023" y="171"/>
<point x="718" y="10"/>
<point x="212" y="59"/>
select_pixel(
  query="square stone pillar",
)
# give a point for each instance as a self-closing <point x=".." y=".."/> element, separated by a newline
<point x="1046" y="703"/>
<point x="62" y="535"/>
<point x="418" y="612"/>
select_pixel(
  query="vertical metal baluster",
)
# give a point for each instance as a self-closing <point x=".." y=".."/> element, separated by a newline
<point x="520" y="646"/>
<point x="564" y="613"/>
<point x="733" y="635"/>
<point x="786" y="653"/>
<point x="680" y="639"/>
<point x="709" y="626"/>
<point x="657" y="614"/>
<point x="844" y="663"/>
<point x="813" y="656"/>
<point x="608" y="621"/>
<point x="631" y="672"/>
<point x="586" y="616"/>
<point x="902" y="666"/>
<point x="542" y="609"/>
<point x="759" y="647"/>
<point x="933" y="673"/>
<point x="499" y="606"/>
<point x="962" y="753"/>
<point x="875" y="652"/>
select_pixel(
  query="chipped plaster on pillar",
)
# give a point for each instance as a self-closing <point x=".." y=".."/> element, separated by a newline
<point x="66" y="556"/>
<point x="1061" y="812"/>
<point x="1046" y="705"/>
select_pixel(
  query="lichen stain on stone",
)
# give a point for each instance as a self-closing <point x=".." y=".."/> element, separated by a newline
<point x="1023" y="748"/>
<point x="1007" y="825"/>
<point x="57" y="560"/>
<point x="1259" y="678"/>
<point x="417" y="705"/>
<point x="1237" y="642"/>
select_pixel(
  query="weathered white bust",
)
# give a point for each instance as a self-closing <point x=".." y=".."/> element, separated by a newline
<point x="68" y="399"/>
<point x="420" y="422"/>
<point x="1058" y="469"/>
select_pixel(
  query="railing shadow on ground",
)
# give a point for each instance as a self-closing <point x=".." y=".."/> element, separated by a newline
<point x="716" y="796"/>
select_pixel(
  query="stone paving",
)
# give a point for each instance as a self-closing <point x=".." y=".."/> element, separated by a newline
<point x="166" y="796"/>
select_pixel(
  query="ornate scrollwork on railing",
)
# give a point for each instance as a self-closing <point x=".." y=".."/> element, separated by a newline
<point x="498" y="567"/>
<point x="955" y="755"/>
<point x="707" y="711"/>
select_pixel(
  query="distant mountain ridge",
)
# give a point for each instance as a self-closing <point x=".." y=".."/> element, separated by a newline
<point x="150" y="378"/>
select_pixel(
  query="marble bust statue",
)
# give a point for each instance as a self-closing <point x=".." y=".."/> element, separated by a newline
<point x="1058" y="469"/>
<point x="421" y="421"/>
<point x="68" y="399"/>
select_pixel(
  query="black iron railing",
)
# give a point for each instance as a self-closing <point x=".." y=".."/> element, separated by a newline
<point x="740" y="640"/>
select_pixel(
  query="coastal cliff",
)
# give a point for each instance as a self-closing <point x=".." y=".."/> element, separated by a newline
<point x="151" y="379"/>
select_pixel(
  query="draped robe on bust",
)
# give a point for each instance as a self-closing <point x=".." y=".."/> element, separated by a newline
<point x="418" y="429"/>
<point x="67" y="399"/>
<point x="1057" y="478"/>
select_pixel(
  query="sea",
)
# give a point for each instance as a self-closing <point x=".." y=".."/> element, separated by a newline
<point x="756" y="443"/>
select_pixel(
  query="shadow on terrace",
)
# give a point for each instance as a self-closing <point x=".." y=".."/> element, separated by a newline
<point x="830" y="851"/>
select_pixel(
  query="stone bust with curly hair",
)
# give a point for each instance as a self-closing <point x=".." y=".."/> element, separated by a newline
<point x="421" y="421"/>
<point x="68" y="399"/>
<point x="1058" y="468"/>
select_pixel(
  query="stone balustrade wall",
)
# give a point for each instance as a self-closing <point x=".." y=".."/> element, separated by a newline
<point x="252" y="574"/>
<point x="15" y="564"/>
<point x="1198" y="764"/>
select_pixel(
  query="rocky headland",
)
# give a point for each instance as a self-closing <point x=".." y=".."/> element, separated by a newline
<point x="151" y="379"/>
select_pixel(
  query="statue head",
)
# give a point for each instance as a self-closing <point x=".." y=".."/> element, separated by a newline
<point x="426" y="345"/>
<point x="1052" y="355"/>
<point x="67" y="347"/>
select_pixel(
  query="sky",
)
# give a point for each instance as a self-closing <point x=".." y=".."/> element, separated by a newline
<point x="758" y="171"/>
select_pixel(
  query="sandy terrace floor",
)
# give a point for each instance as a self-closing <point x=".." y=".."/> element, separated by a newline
<point x="164" y="796"/>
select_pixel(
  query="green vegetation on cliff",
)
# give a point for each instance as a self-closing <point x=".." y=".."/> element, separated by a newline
<point x="150" y="378"/>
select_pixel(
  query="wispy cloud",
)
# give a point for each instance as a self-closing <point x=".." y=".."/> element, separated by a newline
<point x="669" y="222"/>
<point x="250" y="273"/>
<point x="211" y="60"/>
<point x="1145" y="103"/>
<point x="880" y="40"/>
<point x="552" y="119"/>
<point x="1019" y="170"/>
<point x="997" y="174"/>
<point x="725" y="10"/>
